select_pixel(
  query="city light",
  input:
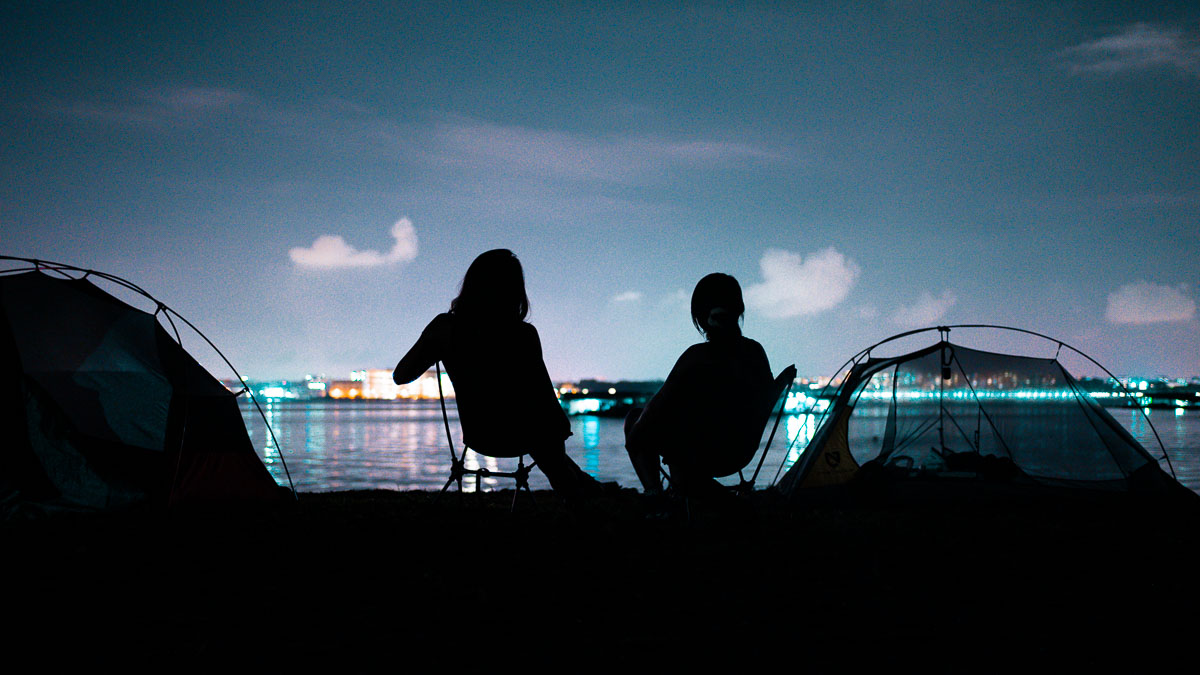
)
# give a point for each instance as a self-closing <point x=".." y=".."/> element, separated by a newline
<point x="990" y="394"/>
<point x="805" y="396"/>
<point x="583" y="406"/>
<point x="798" y="401"/>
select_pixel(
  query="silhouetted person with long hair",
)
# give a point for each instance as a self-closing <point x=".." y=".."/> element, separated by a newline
<point x="706" y="409"/>
<point x="505" y="399"/>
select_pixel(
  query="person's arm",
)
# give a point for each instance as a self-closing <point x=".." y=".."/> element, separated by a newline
<point x="544" y="375"/>
<point x="661" y="400"/>
<point x="425" y="353"/>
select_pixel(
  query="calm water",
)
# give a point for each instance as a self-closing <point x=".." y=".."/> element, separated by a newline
<point x="401" y="445"/>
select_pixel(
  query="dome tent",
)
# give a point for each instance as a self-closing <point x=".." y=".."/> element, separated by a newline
<point x="950" y="416"/>
<point x="104" y="409"/>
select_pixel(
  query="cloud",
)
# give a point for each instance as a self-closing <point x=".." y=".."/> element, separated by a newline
<point x="490" y="150"/>
<point x="677" y="297"/>
<point x="1143" y="303"/>
<point x="868" y="312"/>
<point x="510" y="149"/>
<point x="925" y="311"/>
<point x="1139" y="46"/>
<point x="793" y="286"/>
<point x="330" y="251"/>
<point x="627" y="296"/>
<point x="194" y="98"/>
<point x="161" y="107"/>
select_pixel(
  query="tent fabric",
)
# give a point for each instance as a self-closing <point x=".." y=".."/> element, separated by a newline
<point x="948" y="411"/>
<point x="104" y="410"/>
<point x="831" y="462"/>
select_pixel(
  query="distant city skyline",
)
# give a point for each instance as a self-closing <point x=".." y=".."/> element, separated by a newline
<point x="805" y="395"/>
<point x="376" y="383"/>
<point x="308" y="184"/>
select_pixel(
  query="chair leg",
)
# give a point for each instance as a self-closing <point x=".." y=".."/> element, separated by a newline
<point x="521" y="476"/>
<point x="458" y="471"/>
<point x="454" y="476"/>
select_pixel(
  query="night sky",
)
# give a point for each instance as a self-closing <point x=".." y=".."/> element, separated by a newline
<point x="308" y="184"/>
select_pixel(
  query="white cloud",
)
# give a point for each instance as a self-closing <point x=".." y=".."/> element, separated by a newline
<point x="627" y="296"/>
<point x="1144" y="302"/>
<point x="673" y="300"/>
<point x="868" y="312"/>
<point x="331" y="251"/>
<point x="1139" y="46"/>
<point x="793" y="286"/>
<point x="927" y="310"/>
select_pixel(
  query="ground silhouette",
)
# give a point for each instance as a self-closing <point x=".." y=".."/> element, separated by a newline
<point x="381" y="580"/>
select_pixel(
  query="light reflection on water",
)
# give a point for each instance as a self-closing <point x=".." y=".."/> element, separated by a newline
<point x="402" y="445"/>
<point x="1180" y="434"/>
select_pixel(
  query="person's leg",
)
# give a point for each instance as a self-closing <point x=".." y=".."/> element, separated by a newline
<point x="565" y="476"/>
<point x="643" y="457"/>
<point x="694" y="484"/>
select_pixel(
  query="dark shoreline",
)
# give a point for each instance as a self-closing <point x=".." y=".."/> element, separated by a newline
<point x="382" y="580"/>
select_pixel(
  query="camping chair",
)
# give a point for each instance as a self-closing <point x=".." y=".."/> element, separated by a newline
<point x="777" y="398"/>
<point x="458" y="463"/>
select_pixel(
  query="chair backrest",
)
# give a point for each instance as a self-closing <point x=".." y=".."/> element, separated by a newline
<point x="783" y="384"/>
<point x="500" y="448"/>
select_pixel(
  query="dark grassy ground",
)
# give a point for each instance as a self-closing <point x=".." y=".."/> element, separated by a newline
<point x="387" y="581"/>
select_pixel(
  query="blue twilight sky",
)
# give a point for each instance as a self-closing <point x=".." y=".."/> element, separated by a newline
<point x="308" y="182"/>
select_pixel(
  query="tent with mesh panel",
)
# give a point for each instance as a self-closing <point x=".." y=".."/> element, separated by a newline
<point x="950" y="415"/>
<point x="103" y="409"/>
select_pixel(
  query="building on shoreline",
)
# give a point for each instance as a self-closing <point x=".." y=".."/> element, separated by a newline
<point x="367" y="384"/>
<point x="376" y="384"/>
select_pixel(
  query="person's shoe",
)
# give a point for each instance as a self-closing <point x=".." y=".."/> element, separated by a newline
<point x="657" y="505"/>
<point x="590" y="487"/>
<point x="610" y="488"/>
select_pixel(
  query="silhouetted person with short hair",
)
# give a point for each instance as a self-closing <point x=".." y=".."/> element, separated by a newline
<point x="706" y="409"/>
<point x="505" y="399"/>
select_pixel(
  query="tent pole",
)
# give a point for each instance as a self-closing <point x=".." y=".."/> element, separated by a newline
<point x="981" y="411"/>
<point x="942" y="407"/>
